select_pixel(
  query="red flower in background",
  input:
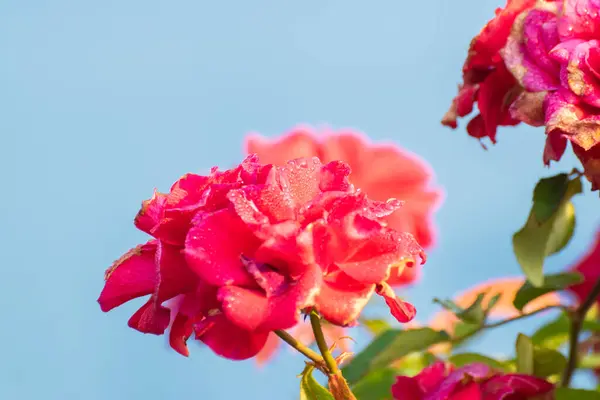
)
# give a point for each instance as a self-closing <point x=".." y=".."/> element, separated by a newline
<point x="246" y="250"/>
<point x="441" y="381"/>
<point x="538" y="62"/>
<point x="589" y="267"/>
<point x="380" y="171"/>
<point x="486" y="81"/>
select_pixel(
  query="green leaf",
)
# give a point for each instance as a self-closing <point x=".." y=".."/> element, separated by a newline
<point x="544" y="234"/>
<point x="563" y="393"/>
<point x="390" y="346"/>
<point x="463" y="329"/>
<point x="525" y="352"/>
<point x="448" y="305"/>
<point x="310" y="389"/>
<point x="564" y="225"/>
<point x="551" y="283"/>
<point x="376" y="385"/>
<point x="492" y="303"/>
<point x="474" y="314"/>
<point x="376" y="326"/>
<point x="408" y="342"/>
<point x="360" y="363"/>
<point x="547" y="196"/>
<point x="467" y="358"/>
<point x="553" y="334"/>
<point x="547" y="362"/>
<point x="590" y="361"/>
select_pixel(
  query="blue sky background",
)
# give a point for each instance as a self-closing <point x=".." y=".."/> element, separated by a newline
<point x="103" y="101"/>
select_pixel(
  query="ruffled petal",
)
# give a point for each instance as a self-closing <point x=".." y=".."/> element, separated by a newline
<point x="373" y="261"/>
<point x="214" y="245"/>
<point x="254" y="310"/>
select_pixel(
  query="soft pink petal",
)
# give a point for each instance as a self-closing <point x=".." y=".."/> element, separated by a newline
<point x="300" y="142"/>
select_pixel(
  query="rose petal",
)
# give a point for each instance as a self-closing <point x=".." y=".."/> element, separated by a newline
<point x="253" y="310"/>
<point x="151" y="212"/>
<point x="341" y="299"/>
<point x="228" y="340"/>
<point x="131" y="276"/>
<point x="406" y="388"/>
<point x="298" y="143"/>
<point x="214" y="245"/>
<point x="401" y="310"/>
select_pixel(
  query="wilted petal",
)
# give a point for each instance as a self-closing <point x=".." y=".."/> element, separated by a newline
<point x="401" y="310"/>
<point x="529" y="108"/>
<point x="566" y="114"/>
<point x="590" y="160"/>
<point x="532" y="37"/>
<point x="462" y="105"/>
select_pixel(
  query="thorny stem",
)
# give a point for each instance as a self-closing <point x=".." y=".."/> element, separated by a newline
<point x="503" y="322"/>
<point x="337" y="384"/>
<point x="315" y="321"/>
<point x="577" y="318"/>
<point x="307" y="352"/>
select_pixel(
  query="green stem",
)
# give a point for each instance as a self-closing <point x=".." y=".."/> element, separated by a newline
<point x="577" y="318"/>
<point x="307" y="352"/>
<point x="315" y="321"/>
<point x="503" y="322"/>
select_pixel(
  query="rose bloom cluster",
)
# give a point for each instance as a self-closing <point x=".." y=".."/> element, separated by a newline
<point x="538" y="62"/>
<point x="441" y="381"/>
<point x="380" y="170"/>
<point x="246" y="251"/>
